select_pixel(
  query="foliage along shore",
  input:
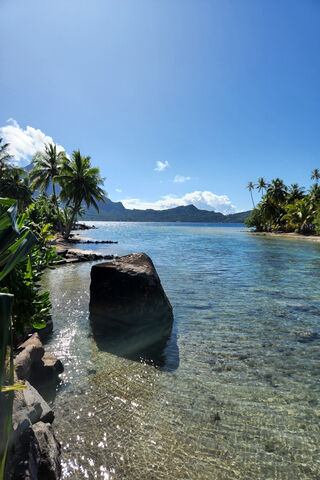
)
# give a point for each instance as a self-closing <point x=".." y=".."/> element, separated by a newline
<point x="288" y="235"/>
<point x="286" y="209"/>
<point x="29" y="218"/>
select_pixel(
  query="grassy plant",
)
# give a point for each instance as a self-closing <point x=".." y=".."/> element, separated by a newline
<point x="16" y="242"/>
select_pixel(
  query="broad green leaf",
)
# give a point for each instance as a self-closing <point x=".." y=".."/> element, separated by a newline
<point x="29" y="241"/>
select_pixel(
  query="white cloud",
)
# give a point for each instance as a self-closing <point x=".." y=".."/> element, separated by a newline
<point x="205" y="200"/>
<point x="24" y="143"/>
<point x="181" y="179"/>
<point x="118" y="190"/>
<point x="161" y="166"/>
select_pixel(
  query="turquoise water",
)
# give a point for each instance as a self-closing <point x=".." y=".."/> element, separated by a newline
<point x="237" y="397"/>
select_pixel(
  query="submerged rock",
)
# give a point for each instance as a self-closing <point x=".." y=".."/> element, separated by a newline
<point x="127" y="298"/>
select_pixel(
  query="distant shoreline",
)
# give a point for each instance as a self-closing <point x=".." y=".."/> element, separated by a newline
<point x="294" y="236"/>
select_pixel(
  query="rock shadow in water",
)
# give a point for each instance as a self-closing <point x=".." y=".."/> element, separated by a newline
<point x="141" y="345"/>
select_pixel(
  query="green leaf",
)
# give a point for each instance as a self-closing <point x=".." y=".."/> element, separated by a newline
<point x="39" y="325"/>
<point x="26" y="245"/>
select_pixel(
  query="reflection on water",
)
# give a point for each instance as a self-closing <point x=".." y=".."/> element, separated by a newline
<point x="135" y="344"/>
<point x="237" y="394"/>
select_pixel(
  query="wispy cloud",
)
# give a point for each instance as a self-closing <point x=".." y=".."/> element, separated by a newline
<point x="24" y="143"/>
<point x="118" y="190"/>
<point x="201" y="199"/>
<point x="161" y="166"/>
<point x="181" y="179"/>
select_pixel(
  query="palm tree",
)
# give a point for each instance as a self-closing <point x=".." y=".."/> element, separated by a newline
<point x="15" y="184"/>
<point x="262" y="185"/>
<point x="295" y="193"/>
<point x="268" y="212"/>
<point x="277" y="191"/>
<point x="80" y="183"/>
<point x="300" y="215"/>
<point x="314" y="194"/>
<point x="4" y="155"/>
<point x="250" y="187"/>
<point x="47" y="166"/>
<point x="315" y="175"/>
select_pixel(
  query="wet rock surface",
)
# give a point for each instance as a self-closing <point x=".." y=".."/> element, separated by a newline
<point x="34" y="451"/>
<point x="34" y="364"/>
<point x="127" y="298"/>
<point x="83" y="226"/>
<point x="75" y="256"/>
<point x="49" y="467"/>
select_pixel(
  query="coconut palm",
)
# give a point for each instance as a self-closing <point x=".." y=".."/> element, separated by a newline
<point x="268" y="212"/>
<point x="4" y="155"/>
<point x="80" y="183"/>
<point x="300" y="215"/>
<point x="277" y="191"/>
<point x="15" y="184"/>
<point x="250" y="187"/>
<point x="315" y="175"/>
<point x="314" y="194"/>
<point x="262" y="185"/>
<point x="295" y="193"/>
<point x="47" y="166"/>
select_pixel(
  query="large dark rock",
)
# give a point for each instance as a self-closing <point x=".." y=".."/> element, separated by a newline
<point x="49" y="466"/>
<point x="28" y="404"/>
<point x="46" y="371"/>
<point x="31" y="351"/>
<point x="35" y="455"/>
<point x="34" y="364"/>
<point x="24" y="457"/>
<point x="126" y="296"/>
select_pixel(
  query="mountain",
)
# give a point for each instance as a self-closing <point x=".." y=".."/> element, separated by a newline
<point x="115" y="211"/>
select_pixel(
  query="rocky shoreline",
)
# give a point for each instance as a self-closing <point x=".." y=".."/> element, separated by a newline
<point x="69" y="254"/>
<point x="34" y="453"/>
<point x="74" y="255"/>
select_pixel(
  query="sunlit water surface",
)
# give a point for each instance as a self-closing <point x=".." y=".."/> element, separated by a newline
<point x="238" y="394"/>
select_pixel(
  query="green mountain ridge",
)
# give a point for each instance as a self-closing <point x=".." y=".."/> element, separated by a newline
<point x="116" y="212"/>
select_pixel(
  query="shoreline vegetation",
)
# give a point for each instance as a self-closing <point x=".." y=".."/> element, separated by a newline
<point x="287" y="235"/>
<point x="285" y="209"/>
<point x="30" y="219"/>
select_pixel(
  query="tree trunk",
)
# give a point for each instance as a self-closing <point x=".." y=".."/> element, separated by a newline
<point x="67" y="232"/>
<point x="252" y="199"/>
<point x="57" y="207"/>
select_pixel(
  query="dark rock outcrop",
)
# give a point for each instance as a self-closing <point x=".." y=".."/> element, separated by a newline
<point x="126" y="297"/>
<point x="34" y="452"/>
<point x="49" y="467"/>
<point x="31" y="351"/>
<point x="28" y="404"/>
<point x="76" y="256"/>
<point x="36" y="455"/>
<point x="34" y="364"/>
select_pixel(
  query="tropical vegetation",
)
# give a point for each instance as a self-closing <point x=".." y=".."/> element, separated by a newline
<point x="36" y="203"/>
<point x="16" y="242"/>
<point x="285" y="208"/>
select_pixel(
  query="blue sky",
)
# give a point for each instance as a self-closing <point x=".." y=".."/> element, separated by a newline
<point x="219" y="92"/>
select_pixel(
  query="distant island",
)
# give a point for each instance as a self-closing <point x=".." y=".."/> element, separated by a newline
<point x="116" y="212"/>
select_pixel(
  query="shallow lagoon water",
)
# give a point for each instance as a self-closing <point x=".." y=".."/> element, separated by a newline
<point x="237" y="395"/>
